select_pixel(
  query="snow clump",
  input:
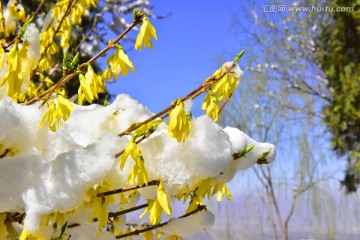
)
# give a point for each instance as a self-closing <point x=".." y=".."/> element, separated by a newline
<point x="44" y="171"/>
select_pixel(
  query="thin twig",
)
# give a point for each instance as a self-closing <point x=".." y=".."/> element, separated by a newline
<point x="121" y="190"/>
<point x="81" y="67"/>
<point x="193" y="94"/>
<point x="137" y="231"/>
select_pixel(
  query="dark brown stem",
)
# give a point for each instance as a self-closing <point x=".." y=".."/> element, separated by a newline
<point x="224" y="103"/>
<point x="112" y="43"/>
<point x="5" y="153"/>
<point x="120" y="190"/>
<point x="137" y="232"/>
<point x="82" y="66"/>
<point x="114" y="214"/>
<point x="164" y="113"/>
<point x="41" y="4"/>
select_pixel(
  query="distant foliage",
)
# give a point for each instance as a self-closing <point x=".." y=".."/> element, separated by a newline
<point x="340" y="59"/>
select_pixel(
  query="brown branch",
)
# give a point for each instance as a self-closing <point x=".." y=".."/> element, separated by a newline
<point x="120" y="190"/>
<point x="164" y="113"/>
<point x="275" y="201"/>
<point x="72" y="75"/>
<point x="116" y="214"/>
<point x="224" y="104"/>
<point x="4" y="153"/>
<point x="112" y="43"/>
<point x="113" y="214"/>
<point x="41" y="4"/>
<point x="137" y="231"/>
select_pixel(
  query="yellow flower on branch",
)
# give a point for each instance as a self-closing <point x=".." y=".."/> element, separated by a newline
<point x="147" y="31"/>
<point x="220" y="88"/>
<point x="210" y="106"/>
<point x="106" y="74"/>
<point x="163" y="199"/>
<point x="101" y="211"/>
<point x="3" y="230"/>
<point x="194" y="203"/>
<point x="155" y="210"/>
<point x="26" y="235"/>
<point x="179" y="122"/>
<point x="58" y="108"/>
<point x="84" y="91"/>
<point x="174" y="237"/>
<point x="138" y="169"/>
<point x="226" y="86"/>
<point x="157" y="206"/>
<point x="132" y="150"/>
<point x="120" y="62"/>
<point x="14" y="77"/>
<point x="100" y="205"/>
<point x="223" y="191"/>
<point x="14" y="13"/>
<point x="148" y="235"/>
<point x="90" y="85"/>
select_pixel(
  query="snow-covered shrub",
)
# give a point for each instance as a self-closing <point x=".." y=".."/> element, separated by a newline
<point x="75" y="171"/>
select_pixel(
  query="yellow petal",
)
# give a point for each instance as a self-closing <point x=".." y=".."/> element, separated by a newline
<point x="163" y="199"/>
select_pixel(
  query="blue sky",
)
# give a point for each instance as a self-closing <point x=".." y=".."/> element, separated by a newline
<point x="184" y="55"/>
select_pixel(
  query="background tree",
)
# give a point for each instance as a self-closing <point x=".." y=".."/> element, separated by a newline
<point x="339" y="57"/>
<point x="287" y="82"/>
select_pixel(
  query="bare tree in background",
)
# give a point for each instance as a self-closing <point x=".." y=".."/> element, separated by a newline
<point x="289" y="89"/>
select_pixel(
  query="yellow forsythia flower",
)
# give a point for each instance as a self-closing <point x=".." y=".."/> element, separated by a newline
<point x="174" y="237"/>
<point x="120" y="62"/>
<point x="84" y="91"/>
<point x="106" y="74"/>
<point x="155" y="210"/>
<point x="26" y="235"/>
<point x="14" y="77"/>
<point x="195" y="201"/>
<point x="210" y="106"/>
<point x="160" y="235"/>
<point x="132" y="150"/>
<point x="14" y="13"/>
<point x="90" y="85"/>
<point x="203" y="187"/>
<point x="179" y="123"/>
<point x="163" y="199"/>
<point x="101" y="211"/>
<point x="146" y="32"/>
<point x="3" y="230"/>
<point x="225" y="87"/>
<point x="157" y="206"/>
<point x="223" y="191"/>
<point x="148" y="235"/>
<point x="58" y="108"/>
<point x="138" y="169"/>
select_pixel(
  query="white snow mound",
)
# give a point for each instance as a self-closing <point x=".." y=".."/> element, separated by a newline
<point x="45" y="170"/>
